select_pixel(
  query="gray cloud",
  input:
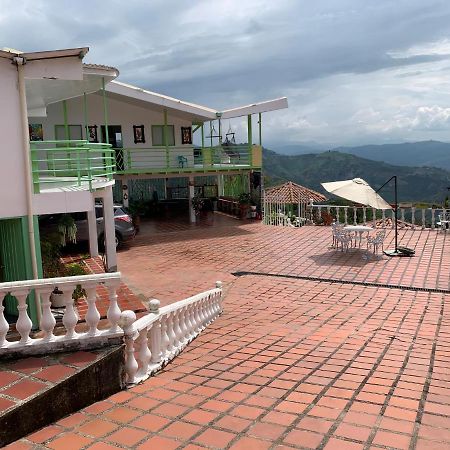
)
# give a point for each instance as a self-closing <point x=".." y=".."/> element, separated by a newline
<point x="333" y="59"/>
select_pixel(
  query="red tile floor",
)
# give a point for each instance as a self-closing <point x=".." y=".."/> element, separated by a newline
<point x="291" y="363"/>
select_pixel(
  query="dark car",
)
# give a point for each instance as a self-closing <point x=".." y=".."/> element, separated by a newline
<point x="123" y="224"/>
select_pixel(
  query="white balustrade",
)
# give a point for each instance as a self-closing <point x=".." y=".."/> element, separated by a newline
<point x="156" y="338"/>
<point x="62" y="339"/>
<point x="407" y="215"/>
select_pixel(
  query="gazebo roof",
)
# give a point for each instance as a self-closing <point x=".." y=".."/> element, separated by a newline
<point x="293" y="193"/>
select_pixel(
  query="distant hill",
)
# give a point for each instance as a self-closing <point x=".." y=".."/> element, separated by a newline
<point x="414" y="183"/>
<point x="425" y="153"/>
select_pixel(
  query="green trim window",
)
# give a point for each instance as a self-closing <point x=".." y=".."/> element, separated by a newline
<point x="158" y="135"/>
<point x="75" y="132"/>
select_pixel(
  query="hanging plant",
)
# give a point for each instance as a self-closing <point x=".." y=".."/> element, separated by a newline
<point x="67" y="229"/>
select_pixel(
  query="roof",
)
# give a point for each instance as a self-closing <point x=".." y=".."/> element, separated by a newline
<point x="293" y="193"/>
<point x="47" y="54"/>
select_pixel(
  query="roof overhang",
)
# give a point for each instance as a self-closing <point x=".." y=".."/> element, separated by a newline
<point x="143" y="98"/>
<point x="255" y="108"/>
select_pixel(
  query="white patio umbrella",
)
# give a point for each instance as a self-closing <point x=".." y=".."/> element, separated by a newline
<point x="358" y="191"/>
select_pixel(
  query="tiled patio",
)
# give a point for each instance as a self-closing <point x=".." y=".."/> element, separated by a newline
<point x="292" y="363"/>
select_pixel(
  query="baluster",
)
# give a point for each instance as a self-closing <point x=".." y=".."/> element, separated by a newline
<point x="48" y="321"/>
<point x="114" y="312"/>
<point x="23" y="324"/>
<point x="354" y="216"/>
<point x="144" y="354"/>
<point x="383" y="218"/>
<point x="393" y="219"/>
<point x="126" y="322"/>
<point x="319" y="212"/>
<point x="155" y="342"/>
<point x="337" y="214"/>
<point x="374" y="217"/>
<point x="364" y="215"/>
<point x="197" y="319"/>
<point x="171" y="333"/>
<point x="92" y="315"/>
<point x="202" y="313"/>
<point x="402" y="212"/>
<point x="423" y="219"/>
<point x="164" y="337"/>
<point x="177" y="328"/>
<point x="70" y="317"/>
<point x="413" y="215"/>
<point x="433" y="219"/>
<point x="186" y="324"/>
<point x="209" y="309"/>
<point x="190" y="310"/>
<point x="345" y="215"/>
<point x="4" y="326"/>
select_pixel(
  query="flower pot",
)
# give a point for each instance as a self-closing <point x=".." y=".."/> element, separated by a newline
<point x="57" y="300"/>
<point x="244" y="211"/>
<point x="253" y="211"/>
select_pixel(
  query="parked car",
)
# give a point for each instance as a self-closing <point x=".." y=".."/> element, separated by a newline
<point x="123" y="223"/>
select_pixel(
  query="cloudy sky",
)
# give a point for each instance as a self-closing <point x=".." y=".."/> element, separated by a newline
<point x="354" y="71"/>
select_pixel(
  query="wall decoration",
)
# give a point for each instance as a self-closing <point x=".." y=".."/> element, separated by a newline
<point x="35" y="131"/>
<point x="93" y="136"/>
<point x="186" y="135"/>
<point x="138" y="132"/>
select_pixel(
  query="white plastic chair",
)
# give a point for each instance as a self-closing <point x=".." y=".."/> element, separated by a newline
<point x="444" y="221"/>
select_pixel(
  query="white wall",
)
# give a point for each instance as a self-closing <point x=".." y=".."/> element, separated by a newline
<point x="12" y="180"/>
<point x="119" y="113"/>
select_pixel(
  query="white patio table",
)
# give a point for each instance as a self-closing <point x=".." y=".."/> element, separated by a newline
<point x="358" y="229"/>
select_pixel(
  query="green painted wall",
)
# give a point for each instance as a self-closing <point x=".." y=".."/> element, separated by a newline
<point x="15" y="259"/>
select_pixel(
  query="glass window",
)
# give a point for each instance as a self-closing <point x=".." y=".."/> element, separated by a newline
<point x="158" y="135"/>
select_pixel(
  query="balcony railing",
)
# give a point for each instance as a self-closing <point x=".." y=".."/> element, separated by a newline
<point x="70" y="163"/>
<point x="187" y="159"/>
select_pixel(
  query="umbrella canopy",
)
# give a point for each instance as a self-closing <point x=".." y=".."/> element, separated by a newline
<point x="358" y="191"/>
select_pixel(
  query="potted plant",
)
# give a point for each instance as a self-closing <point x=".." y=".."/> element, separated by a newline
<point x="197" y="203"/>
<point x="67" y="229"/>
<point x="57" y="298"/>
<point x="244" y="201"/>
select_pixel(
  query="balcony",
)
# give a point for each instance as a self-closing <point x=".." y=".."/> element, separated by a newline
<point x="187" y="159"/>
<point x="69" y="165"/>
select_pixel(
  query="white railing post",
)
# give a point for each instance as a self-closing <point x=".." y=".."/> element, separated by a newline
<point x="113" y="314"/>
<point x="48" y="321"/>
<point x="144" y="354"/>
<point x="155" y="342"/>
<point x="383" y="218"/>
<point x="354" y="216"/>
<point x="423" y="219"/>
<point x="364" y="215"/>
<point x="433" y="218"/>
<point x="178" y="333"/>
<point x="402" y="212"/>
<point x="165" y="340"/>
<point x="92" y="315"/>
<point x="70" y="317"/>
<point x="126" y="322"/>
<point x="23" y="324"/>
<point x="374" y="217"/>
<point x="413" y="216"/>
<point x="4" y="326"/>
<point x="345" y="215"/>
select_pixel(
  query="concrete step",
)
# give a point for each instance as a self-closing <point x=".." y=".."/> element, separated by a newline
<point x="37" y="391"/>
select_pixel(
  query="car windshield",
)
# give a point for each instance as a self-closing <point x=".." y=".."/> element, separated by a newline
<point x="119" y="211"/>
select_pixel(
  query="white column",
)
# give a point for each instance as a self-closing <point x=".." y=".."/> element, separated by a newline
<point x="191" y="192"/>
<point x="220" y="185"/>
<point x="92" y="226"/>
<point x="110" y="235"/>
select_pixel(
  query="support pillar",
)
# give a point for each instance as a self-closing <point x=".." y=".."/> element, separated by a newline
<point x="220" y="185"/>
<point x="110" y="232"/>
<point x="93" y="237"/>
<point x="191" y="192"/>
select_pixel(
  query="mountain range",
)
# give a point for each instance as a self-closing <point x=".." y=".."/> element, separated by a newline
<point x="418" y="184"/>
<point x="425" y="153"/>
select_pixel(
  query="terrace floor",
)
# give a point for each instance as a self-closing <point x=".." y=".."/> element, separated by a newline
<point x="305" y="354"/>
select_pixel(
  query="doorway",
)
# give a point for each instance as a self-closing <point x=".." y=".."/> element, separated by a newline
<point x="115" y="139"/>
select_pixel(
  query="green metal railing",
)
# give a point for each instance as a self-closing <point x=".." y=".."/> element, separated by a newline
<point x="70" y="163"/>
<point x="187" y="159"/>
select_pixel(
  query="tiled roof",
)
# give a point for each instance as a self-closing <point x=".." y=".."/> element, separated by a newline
<point x="99" y="66"/>
<point x="293" y="193"/>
